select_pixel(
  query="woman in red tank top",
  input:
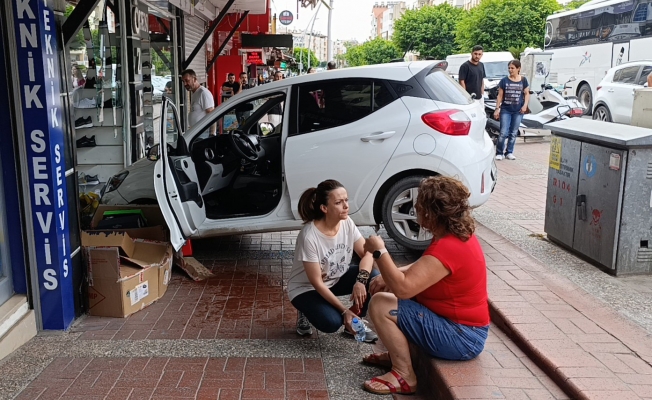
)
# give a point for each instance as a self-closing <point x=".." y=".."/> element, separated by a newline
<point x="439" y="302"/>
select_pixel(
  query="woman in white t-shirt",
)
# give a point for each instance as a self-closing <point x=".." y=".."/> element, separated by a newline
<point x="322" y="268"/>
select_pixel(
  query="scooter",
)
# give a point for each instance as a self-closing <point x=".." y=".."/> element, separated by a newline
<point x="546" y="105"/>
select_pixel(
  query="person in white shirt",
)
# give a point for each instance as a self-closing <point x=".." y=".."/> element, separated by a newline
<point x="322" y="269"/>
<point x="201" y="99"/>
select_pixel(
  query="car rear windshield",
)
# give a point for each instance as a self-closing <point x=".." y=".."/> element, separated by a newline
<point x="444" y="88"/>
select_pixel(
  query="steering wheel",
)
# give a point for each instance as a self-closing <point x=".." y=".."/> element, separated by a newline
<point x="246" y="146"/>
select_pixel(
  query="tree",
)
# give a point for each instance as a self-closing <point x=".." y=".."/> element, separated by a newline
<point x="376" y="51"/>
<point x="301" y="54"/>
<point x="78" y="42"/>
<point x="575" y="4"/>
<point x="430" y="30"/>
<point x="500" y="24"/>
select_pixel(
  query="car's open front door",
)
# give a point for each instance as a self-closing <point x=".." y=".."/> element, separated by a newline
<point x="175" y="179"/>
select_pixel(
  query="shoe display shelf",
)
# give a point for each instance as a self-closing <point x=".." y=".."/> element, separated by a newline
<point x="147" y="139"/>
<point x="103" y="156"/>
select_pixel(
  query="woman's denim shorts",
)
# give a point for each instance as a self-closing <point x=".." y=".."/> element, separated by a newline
<point x="439" y="336"/>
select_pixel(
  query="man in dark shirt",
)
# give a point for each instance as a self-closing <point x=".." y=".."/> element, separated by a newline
<point x="244" y="81"/>
<point x="230" y="87"/>
<point x="472" y="74"/>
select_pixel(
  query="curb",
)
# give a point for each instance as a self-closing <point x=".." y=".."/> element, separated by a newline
<point x="547" y="366"/>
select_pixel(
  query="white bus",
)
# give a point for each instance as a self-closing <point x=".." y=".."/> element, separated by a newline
<point x="588" y="41"/>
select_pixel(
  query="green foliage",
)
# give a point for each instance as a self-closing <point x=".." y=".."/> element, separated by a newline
<point x="430" y="30"/>
<point x="301" y="54"/>
<point x="516" y="51"/>
<point x="78" y="42"/>
<point x="160" y="67"/>
<point x="575" y="4"/>
<point x="376" y="51"/>
<point x="500" y="24"/>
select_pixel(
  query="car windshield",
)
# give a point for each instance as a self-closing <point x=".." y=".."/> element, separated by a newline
<point x="496" y="69"/>
<point x="444" y="88"/>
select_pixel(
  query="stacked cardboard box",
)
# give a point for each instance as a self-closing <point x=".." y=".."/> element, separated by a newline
<point x="128" y="269"/>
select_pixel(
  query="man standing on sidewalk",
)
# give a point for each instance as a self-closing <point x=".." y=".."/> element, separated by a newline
<point x="472" y="74"/>
<point x="201" y="99"/>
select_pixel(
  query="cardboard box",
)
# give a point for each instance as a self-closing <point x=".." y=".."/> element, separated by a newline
<point x="156" y="226"/>
<point x="125" y="275"/>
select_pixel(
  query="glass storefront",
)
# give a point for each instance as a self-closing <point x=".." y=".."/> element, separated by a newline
<point x="6" y="287"/>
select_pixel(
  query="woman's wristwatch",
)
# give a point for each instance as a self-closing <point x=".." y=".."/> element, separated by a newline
<point x="378" y="253"/>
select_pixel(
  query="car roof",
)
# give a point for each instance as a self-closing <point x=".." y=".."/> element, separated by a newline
<point x="400" y="71"/>
<point x="632" y="64"/>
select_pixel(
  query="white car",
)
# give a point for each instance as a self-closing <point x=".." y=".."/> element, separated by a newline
<point x="615" y="98"/>
<point x="378" y="130"/>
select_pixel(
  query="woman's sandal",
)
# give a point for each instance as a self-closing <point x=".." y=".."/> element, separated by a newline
<point x="405" y="388"/>
<point x="374" y="359"/>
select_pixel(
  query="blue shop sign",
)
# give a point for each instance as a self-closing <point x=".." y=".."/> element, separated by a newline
<point x="38" y="75"/>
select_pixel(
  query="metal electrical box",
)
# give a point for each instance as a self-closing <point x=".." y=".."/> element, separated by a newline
<point x="599" y="197"/>
<point x="642" y="108"/>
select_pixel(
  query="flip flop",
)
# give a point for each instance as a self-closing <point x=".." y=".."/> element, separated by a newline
<point x="374" y="359"/>
<point x="405" y="388"/>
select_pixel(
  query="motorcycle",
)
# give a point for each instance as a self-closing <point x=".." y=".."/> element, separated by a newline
<point x="546" y="105"/>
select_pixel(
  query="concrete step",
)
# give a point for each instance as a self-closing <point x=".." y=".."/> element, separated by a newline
<point x="17" y="324"/>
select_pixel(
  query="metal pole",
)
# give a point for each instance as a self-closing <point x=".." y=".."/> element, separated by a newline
<point x="329" y="51"/>
<point x="310" y="38"/>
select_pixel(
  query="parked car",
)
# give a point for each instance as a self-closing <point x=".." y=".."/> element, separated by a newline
<point x="495" y="66"/>
<point x="615" y="97"/>
<point x="378" y="129"/>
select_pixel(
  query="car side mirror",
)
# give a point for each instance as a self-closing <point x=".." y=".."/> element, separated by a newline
<point x="153" y="153"/>
<point x="572" y="79"/>
<point x="266" y="128"/>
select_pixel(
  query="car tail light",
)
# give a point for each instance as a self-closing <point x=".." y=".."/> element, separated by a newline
<point x="576" y="112"/>
<point x="599" y="87"/>
<point x="448" y="122"/>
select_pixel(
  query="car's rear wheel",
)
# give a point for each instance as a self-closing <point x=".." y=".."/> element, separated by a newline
<point x="400" y="214"/>
<point x="586" y="98"/>
<point x="601" y="113"/>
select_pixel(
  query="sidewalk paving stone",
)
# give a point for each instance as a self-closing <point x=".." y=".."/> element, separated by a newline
<point x="202" y="337"/>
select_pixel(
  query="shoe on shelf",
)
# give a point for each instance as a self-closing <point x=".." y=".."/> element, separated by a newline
<point x="303" y="325"/>
<point x="90" y="83"/>
<point x="499" y="157"/>
<point x="108" y="103"/>
<point x="82" y="122"/>
<point x="86" y="142"/>
<point x="510" y="156"/>
<point x="92" y="180"/>
<point x="86" y="103"/>
<point x="146" y="64"/>
<point x="370" y="336"/>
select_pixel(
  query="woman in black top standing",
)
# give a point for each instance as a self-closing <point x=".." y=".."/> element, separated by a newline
<point x="511" y="105"/>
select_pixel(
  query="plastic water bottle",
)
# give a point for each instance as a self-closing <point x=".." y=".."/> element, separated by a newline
<point x="359" y="329"/>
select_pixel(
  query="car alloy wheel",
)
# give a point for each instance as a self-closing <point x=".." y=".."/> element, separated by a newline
<point x="601" y="113"/>
<point x="400" y="215"/>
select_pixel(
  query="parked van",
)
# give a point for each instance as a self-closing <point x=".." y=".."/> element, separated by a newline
<point x="495" y="65"/>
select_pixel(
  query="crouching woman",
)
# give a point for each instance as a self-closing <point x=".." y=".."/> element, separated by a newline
<point x="439" y="302"/>
<point x="322" y="269"/>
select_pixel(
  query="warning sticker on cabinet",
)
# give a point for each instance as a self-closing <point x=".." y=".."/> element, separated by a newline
<point x="555" y="153"/>
<point x="614" y="161"/>
<point x="140" y="292"/>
